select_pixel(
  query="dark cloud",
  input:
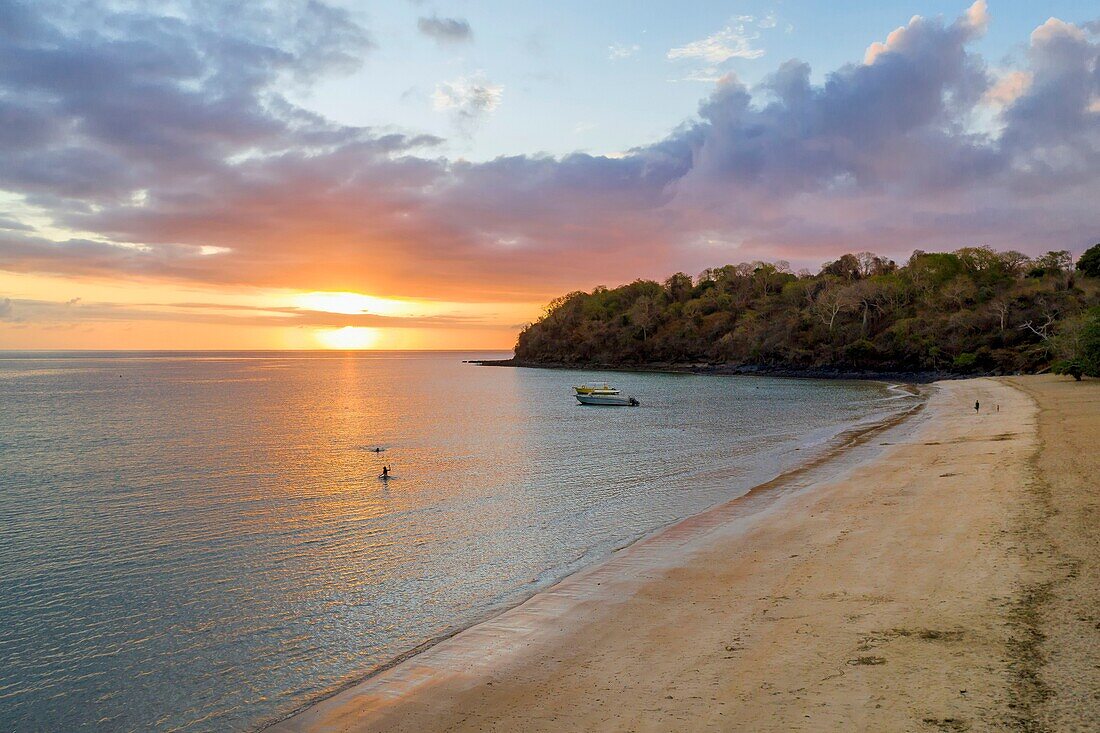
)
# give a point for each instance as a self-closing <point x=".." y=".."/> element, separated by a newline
<point x="445" y="30"/>
<point x="170" y="135"/>
<point x="97" y="102"/>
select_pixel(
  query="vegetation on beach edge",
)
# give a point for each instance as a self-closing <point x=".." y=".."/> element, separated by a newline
<point x="971" y="311"/>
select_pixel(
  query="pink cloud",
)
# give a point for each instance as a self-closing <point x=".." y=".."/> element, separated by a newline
<point x="879" y="156"/>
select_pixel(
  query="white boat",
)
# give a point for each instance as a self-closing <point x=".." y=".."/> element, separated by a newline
<point x="607" y="399"/>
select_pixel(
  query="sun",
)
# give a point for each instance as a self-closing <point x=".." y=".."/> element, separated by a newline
<point x="348" y="337"/>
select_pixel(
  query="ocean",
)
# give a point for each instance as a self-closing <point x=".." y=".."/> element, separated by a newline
<point x="200" y="541"/>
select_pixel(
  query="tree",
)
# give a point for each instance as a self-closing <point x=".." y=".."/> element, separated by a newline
<point x="1044" y="330"/>
<point x="1002" y="306"/>
<point x="847" y="268"/>
<point x="763" y="275"/>
<point x="1014" y="263"/>
<point x="1079" y="344"/>
<point x="929" y="270"/>
<point x="745" y="269"/>
<point x="827" y="302"/>
<point x="644" y="314"/>
<point x="1089" y="264"/>
<point x="979" y="259"/>
<point x="864" y="296"/>
<point x="870" y="264"/>
<point x="896" y="294"/>
<point x="959" y="291"/>
<point x="559" y="303"/>
<point x="1059" y="260"/>
<point x="1052" y="263"/>
<point x="678" y="287"/>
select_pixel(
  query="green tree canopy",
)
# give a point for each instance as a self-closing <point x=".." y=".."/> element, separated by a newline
<point x="1089" y="264"/>
<point x="972" y="311"/>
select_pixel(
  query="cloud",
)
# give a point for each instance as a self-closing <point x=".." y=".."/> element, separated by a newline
<point x="468" y="99"/>
<point x="972" y="24"/>
<point x="14" y="225"/>
<point x="617" y="51"/>
<point x="976" y="17"/>
<point x="126" y="97"/>
<point x="5" y="309"/>
<point x="730" y="42"/>
<point x="187" y="112"/>
<point x="733" y="41"/>
<point x="445" y="30"/>
<point x="1007" y="88"/>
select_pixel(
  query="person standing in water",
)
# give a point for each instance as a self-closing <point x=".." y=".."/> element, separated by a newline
<point x="976" y="407"/>
<point x="385" y="471"/>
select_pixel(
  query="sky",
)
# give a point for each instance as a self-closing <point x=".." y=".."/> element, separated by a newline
<point x="191" y="174"/>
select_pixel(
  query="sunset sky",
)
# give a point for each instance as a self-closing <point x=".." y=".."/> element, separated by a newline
<point x="198" y="174"/>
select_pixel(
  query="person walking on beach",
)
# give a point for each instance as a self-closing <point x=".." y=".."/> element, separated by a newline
<point x="976" y="407"/>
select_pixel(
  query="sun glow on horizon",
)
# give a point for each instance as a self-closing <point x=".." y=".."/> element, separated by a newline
<point x="348" y="337"/>
<point x="52" y="312"/>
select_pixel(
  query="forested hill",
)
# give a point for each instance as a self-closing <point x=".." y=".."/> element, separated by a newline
<point x="970" y="311"/>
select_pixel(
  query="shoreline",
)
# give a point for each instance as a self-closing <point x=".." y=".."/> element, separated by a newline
<point x="832" y="452"/>
<point x="945" y="578"/>
<point x="739" y="370"/>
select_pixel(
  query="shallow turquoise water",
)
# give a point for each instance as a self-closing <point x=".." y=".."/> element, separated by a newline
<point x="199" y="542"/>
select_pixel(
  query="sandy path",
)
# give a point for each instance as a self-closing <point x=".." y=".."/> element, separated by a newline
<point x="908" y="595"/>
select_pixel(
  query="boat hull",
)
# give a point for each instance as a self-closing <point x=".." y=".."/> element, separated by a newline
<point x="606" y="400"/>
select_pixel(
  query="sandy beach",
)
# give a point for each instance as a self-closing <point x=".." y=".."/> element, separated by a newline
<point x="950" y="583"/>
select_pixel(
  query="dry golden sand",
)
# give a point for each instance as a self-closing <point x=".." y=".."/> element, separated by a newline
<point x="953" y="583"/>
<point x="1061" y="604"/>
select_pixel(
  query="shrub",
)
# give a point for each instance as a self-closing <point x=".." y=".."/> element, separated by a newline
<point x="1072" y="367"/>
<point x="860" y="351"/>
<point x="965" y="361"/>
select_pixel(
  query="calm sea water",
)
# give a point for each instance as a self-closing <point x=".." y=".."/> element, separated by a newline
<point x="199" y="542"/>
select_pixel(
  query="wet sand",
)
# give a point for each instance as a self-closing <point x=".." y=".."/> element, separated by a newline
<point x="952" y="583"/>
